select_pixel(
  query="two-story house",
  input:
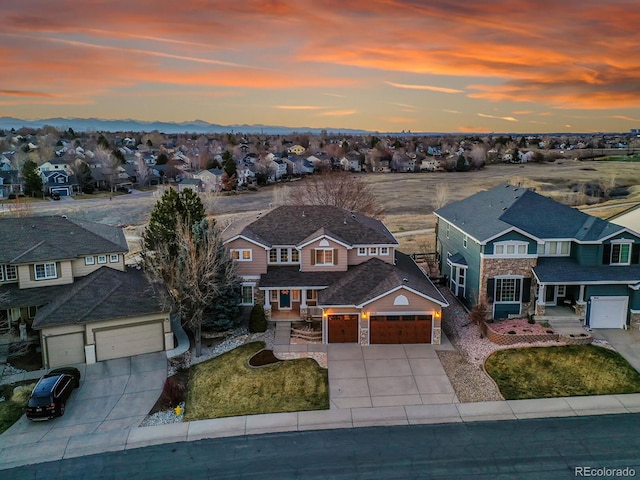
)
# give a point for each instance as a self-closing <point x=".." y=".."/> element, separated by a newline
<point x="67" y="280"/>
<point x="343" y="267"/>
<point x="526" y="254"/>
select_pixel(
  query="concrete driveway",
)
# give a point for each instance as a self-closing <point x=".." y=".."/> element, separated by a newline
<point x="387" y="375"/>
<point x="114" y="396"/>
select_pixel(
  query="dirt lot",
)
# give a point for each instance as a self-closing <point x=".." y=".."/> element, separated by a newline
<point x="407" y="198"/>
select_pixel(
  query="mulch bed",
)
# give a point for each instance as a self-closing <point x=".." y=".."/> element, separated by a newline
<point x="262" y="358"/>
<point x="181" y="379"/>
<point x="30" y="361"/>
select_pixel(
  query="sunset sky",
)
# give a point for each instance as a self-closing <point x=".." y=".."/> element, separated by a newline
<point x="448" y="65"/>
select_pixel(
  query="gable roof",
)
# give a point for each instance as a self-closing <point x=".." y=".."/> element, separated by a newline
<point x="365" y="282"/>
<point x="293" y="225"/>
<point x="505" y="207"/>
<point x="34" y="239"/>
<point x="102" y="295"/>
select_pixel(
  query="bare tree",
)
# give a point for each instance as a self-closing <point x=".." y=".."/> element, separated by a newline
<point x="19" y="208"/>
<point x="478" y="156"/>
<point x="339" y="189"/>
<point x="142" y="171"/>
<point x="194" y="277"/>
<point x="441" y="196"/>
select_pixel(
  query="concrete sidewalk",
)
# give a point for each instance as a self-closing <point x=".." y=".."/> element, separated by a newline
<point x="28" y="452"/>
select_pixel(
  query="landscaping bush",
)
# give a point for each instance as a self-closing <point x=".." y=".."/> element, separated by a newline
<point x="173" y="392"/>
<point x="257" y="320"/>
<point x="22" y="393"/>
<point x="531" y="321"/>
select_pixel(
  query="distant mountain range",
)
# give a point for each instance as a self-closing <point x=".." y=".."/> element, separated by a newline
<point x="195" y="126"/>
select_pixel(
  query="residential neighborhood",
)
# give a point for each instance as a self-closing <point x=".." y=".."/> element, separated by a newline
<point x="337" y="321"/>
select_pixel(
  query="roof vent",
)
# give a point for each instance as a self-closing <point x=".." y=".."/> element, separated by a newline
<point x="405" y="280"/>
<point x="504" y="208"/>
<point x="353" y="216"/>
<point x="64" y="216"/>
<point x="303" y="213"/>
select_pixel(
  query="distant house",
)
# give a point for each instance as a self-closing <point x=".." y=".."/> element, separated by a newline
<point x="60" y="182"/>
<point x="296" y="149"/>
<point x="10" y="183"/>
<point x="190" y="183"/>
<point x="211" y="180"/>
<point x="629" y="218"/>
<point x="55" y="165"/>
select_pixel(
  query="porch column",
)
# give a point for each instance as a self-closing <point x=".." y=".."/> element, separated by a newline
<point x="303" y="298"/>
<point x="540" y="305"/>
<point x="581" y="295"/>
<point x="267" y="299"/>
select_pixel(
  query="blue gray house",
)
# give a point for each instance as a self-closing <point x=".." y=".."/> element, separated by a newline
<point x="525" y="254"/>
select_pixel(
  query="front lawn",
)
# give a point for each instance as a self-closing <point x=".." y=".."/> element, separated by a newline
<point x="13" y="403"/>
<point x="227" y="386"/>
<point x="562" y="371"/>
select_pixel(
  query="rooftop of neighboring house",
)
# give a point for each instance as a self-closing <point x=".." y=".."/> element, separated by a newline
<point x="294" y="225"/>
<point x="103" y="294"/>
<point x="492" y="212"/>
<point x="34" y="239"/>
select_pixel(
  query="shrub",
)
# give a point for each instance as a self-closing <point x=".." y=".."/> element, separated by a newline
<point x="257" y="319"/>
<point x="173" y="392"/>
<point x="22" y="393"/>
<point x="479" y="313"/>
<point x="531" y="321"/>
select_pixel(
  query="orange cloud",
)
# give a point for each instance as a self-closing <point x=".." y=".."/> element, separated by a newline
<point x="424" y="87"/>
<point x="508" y="119"/>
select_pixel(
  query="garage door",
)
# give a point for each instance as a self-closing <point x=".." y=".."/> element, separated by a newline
<point x="65" y="349"/>
<point x="400" y="329"/>
<point x="343" y="328"/>
<point x="608" y="312"/>
<point x="127" y="341"/>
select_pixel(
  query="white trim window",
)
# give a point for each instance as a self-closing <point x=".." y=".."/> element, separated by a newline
<point x="114" y="258"/>
<point x="373" y="250"/>
<point x="241" y="254"/>
<point x="464" y="241"/>
<point x="508" y="289"/>
<point x="621" y="253"/>
<point x="510" y="248"/>
<point x="362" y="251"/>
<point x="45" y="271"/>
<point x="8" y="273"/>
<point x="557" y="248"/>
<point x="323" y="256"/>
<point x="247" y="294"/>
<point x="384" y="251"/>
<point x="448" y="229"/>
<point x="284" y="255"/>
<point x="102" y="259"/>
<point x="89" y="260"/>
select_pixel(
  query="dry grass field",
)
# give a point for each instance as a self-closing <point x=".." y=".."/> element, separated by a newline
<point x="408" y="199"/>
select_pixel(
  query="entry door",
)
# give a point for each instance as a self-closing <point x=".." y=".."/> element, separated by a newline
<point x="285" y="299"/>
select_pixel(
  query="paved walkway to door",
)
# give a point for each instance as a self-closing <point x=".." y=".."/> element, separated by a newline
<point x="388" y="375"/>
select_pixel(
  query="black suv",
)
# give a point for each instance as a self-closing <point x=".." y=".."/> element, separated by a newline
<point x="51" y="393"/>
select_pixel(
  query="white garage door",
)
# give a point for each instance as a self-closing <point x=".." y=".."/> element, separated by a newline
<point x="65" y="349"/>
<point x="608" y="312"/>
<point x="127" y="341"/>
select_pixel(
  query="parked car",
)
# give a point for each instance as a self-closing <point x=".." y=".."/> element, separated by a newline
<point x="55" y="196"/>
<point x="51" y="393"/>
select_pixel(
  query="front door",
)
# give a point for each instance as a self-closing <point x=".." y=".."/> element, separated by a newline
<point x="285" y="299"/>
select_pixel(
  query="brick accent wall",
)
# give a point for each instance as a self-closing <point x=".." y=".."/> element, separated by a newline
<point x="510" y="339"/>
<point x="492" y="267"/>
<point x="635" y="320"/>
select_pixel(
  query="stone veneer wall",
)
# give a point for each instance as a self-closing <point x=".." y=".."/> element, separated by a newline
<point x="510" y="339"/>
<point x="635" y="320"/>
<point x="437" y="331"/>
<point x="492" y="267"/>
<point x="259" y="300"/>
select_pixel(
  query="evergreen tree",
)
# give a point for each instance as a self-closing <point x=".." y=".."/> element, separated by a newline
<point x="85" y="178"/>
<point x="162" y="224"/>
<point x="32" y="180"/>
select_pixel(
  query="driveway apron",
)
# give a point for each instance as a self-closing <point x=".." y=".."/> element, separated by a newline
<point x="387" y="375"/>
<point x="114" y="395"/>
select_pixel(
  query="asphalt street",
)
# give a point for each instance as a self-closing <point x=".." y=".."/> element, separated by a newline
<point x="537" y="449"/>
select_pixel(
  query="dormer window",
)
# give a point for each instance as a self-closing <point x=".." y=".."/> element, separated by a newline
<point x="241" y="255"/>
<point x="621" y="253"/>
<point x="323" y="257"/>
<point x="510" y="248"/>
<point x="557" y="248"/>
<point x="362" y="251"/>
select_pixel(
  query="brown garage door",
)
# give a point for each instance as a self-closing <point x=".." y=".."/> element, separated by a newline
<point x="126" y="341"/>
<point x="343" y="328"/>
<point x="400" y="329"/>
